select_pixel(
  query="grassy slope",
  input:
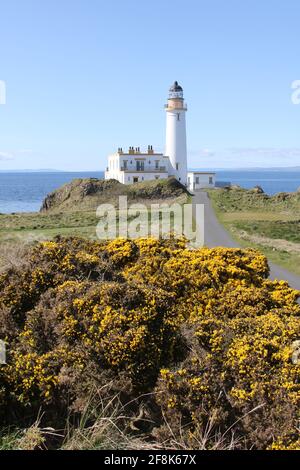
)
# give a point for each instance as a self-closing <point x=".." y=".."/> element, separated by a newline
<point x="271" y="224"/>
<point x="88" y="194"/>
<point x="75" y="215"/>
<point x="33" y="226"/>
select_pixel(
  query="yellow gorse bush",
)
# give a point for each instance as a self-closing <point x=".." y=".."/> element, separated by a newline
<point x="204" y="329"/>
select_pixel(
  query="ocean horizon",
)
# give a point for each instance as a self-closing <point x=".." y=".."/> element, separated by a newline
<point x="24" y="191"/>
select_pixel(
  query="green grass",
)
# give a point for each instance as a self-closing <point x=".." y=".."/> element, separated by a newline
<point x="17" y="230"/>
<point x="286" y="230"/>
<point x="72" y="208"/>
<point x="36" y="220"/>
<point x="240" y="200"/>
<point x="269" y="224"/>
<point x="9" y="438"/>
<point x="35" y="226"/>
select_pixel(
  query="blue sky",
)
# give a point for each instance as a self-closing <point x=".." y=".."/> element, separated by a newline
<point x="84" y="77"/>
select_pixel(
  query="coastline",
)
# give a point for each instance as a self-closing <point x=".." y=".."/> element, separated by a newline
<point x="25" y="191"/>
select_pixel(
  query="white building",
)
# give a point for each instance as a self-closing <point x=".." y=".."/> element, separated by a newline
<point x="201" y="179"/>
<point x="136" y="166"/>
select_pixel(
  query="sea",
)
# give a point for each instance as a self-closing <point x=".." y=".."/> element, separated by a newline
<point x="25" y="191"/>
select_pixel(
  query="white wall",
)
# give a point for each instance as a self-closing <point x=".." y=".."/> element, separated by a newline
<point x="176" y="143"/>
<point x="148" y="160"/>
<point x="201" y="180"/>
<point x="142" y="177"/>
<point x="116" y="165"/>
<point x="113" y="167"/>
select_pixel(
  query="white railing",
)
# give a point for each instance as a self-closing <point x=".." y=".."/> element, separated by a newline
<point x="133" y="168"/>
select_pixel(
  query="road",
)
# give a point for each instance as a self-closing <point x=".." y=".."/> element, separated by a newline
<point x="216" y="235"/>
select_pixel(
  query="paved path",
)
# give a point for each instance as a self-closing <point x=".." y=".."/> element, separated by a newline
<point x="216" y="235"/>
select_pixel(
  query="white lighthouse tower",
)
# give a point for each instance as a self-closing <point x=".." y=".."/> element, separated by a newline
<point x="176" y="133"/>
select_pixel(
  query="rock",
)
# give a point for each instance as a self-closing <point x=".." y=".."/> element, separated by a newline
<point x="89" y="193"/>
<point x="257" y="190"/>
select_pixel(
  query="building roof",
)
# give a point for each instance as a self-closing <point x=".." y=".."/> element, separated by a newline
<point x="201" y="172"/>
<point x="133" y="155"/>
<point x="176" y="87"/>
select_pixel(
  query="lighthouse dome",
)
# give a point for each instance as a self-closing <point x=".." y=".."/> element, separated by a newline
<point x="176" y="91"/>
<point x="176" y="87"/>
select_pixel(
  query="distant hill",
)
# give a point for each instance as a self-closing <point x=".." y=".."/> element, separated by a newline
<point x="46" y="170"/>
<point x="88" y="193"/>
<point x="257" y="168"/>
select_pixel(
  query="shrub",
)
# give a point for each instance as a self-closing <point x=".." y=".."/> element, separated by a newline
<point x="201" y="338"/>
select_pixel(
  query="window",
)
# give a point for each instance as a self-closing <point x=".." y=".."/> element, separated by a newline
<point x="178" y="116"/>
<point x="140" y="165"/>
<point x="142" y="178"/>
<point x="128" y="179"/>
<point x="197" y="179"/>
<point x="177" y="166"/>
<point x="156" y="164"/>
<point x="189" y="181"/>
<point x="157" y="177"/>
<point x="125" y="164"/>
<point x="211" y="180"/>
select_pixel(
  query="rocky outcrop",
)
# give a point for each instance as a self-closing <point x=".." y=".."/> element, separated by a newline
<point x="257" y="190"/>
<point x="79" y="192"/>
<point x="87" y="194"/>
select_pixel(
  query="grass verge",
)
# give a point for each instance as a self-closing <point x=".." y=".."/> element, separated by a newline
<point x="269" y="224"/>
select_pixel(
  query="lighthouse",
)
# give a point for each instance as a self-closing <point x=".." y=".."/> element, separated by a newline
<point x="176" y="148"/>
<point x="137" y="166"/>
